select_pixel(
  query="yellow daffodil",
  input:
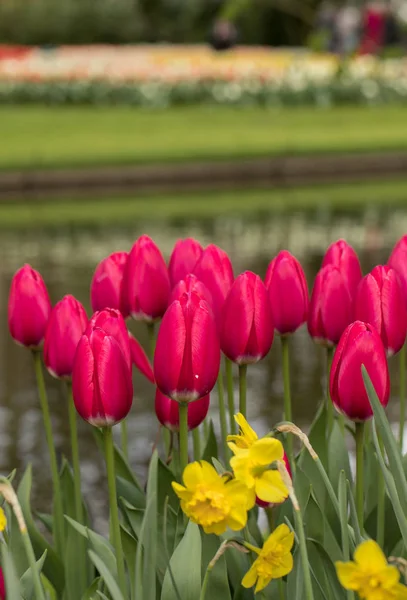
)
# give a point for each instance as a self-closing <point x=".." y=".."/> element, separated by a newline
<point x="370" y="575"/>
<point x="3" y="520"/>
<point x="245" y="438"/>
<point x="213" y="501"/>
<point x="274" y="559"/>
<point x="252" y="467"/>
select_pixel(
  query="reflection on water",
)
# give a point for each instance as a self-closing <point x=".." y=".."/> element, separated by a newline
<point x="67" y="259"/>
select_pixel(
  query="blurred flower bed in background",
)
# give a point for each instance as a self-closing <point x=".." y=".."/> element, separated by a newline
<point x="165" y="75"/>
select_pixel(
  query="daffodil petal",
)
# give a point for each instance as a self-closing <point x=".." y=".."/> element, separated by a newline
<point x="282" y="536"/>
<point x="266" y="451"/>
<point x="285" y="566"/>
<point x="348" y="575"/>
<point x="181" y="491"/>
<point x="370" y="555"/>
<point x="262" y="582"/>
<point x="216" y="528"/>
<point x="192" y="475"/>
<point x="392" y="577"/>
<point x="250" y="578"/>
<point x="247" y="432"/>
<point x="401" y="592"/>
<point x="237" y="518"/>
<point x="270" y="487"/>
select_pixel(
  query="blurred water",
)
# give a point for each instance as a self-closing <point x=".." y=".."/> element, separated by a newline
<point x="67" y="258"/>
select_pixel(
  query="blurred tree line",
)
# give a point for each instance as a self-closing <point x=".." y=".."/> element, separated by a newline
<point x="49" y="22"/>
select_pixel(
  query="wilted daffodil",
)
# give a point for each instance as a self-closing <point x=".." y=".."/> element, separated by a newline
<point x="252" y="461"/>
<point x="211" y="500"/>
<point x="370" y="575"/>
<point x="274" y="560"/>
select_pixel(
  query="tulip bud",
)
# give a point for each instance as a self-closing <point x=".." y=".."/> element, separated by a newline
<point x="190" y="284"/>
<point x="330" y="310"/>
<point x="112" y="323"/>
<point x="146" y="283"/>
<point x="288" y="293"/>
<point x="101" y="380"/>
<point x="247" y="330"/>
<point x="215" y="271"/>
<point x="398" y="262"/>
<point x="183" y="259"/>
<point x="29" y="307"/>
<point x="187" y="354"/>
<point x="340" y="254"/>
<point x="140" y="360"/>
<point x="380" y="302"/>
<point x="167" y="411"/>
<point x="263" y="504"/>
<point x="66" y="325"/>
<point x="106" y="289"/>
<point x="359" y="345"/>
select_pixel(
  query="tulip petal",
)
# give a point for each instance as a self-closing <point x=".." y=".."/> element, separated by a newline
<point x="169" y="352"/>
<point x="237" y="318"/>
<point x="140" y="360"/>
<point x="83" y="378"/>
<point x="205" y="349"/>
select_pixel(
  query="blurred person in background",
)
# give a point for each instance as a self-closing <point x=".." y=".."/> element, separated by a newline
<point x="374" y="27"/>
<point x="348" y="27"/>
<point x="223" y="35"/>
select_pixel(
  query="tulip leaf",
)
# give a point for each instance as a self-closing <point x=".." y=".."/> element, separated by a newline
<point x="218" y="582"/>
<point x="390" y="444"/>
<point x="324" y="570"/>
<point x="129" y="544"/>
<point x="53" y="567"/>
<point x="15" y="542"/>
<point x="26" y="581"/>
<point x="46" y="520"/>
<point x="186" y="567"/>
<point x="353" y="516"/>
<point x="338" y="455"/>
<point x="13" y="589"/>
<point x="91" y="592"/>
<point x="99" y="544"/>
<point x="107" y="576"/>
<point x="211" y="446"/>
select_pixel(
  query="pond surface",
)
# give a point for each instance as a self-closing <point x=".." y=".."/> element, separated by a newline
<point x="67" y="258"/>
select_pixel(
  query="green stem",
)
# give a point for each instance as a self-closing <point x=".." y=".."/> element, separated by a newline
<point x="196" y="438"/>
<point x="58" y="509"/>
<point x="402" y="394"/>
<point x="205" y="582"/>
<point x="381" y="501"/>
<point x="75" y="456"/>
<point x="299" y="526"/>
<point x="281" y="588"/>
<point x="270" y="518"/>
<point x="287" y="395"/>
<point x="151" y="339"/>
<point x="329" y="405"/>
<point x="114" y="512"/>
<point x="359" y="431"/>
<point x="222" y="417"/>
<point x="38" y="589"/>
<point x="231" y="399"/>
<point x="242" y="389"/>
<point x="124" y="439"/>
<point x="183" y="434"/>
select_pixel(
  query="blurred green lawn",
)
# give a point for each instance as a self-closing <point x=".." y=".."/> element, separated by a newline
<point x="120" y="211"/>
<point x="51" y="137"/>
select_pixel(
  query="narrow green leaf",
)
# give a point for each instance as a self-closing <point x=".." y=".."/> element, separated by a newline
<point x="129" y="544"/>
<point x="98" y="543"/>
<point x="211" y="446"/>
<point x="338" y="455"/>
<point x="91" y="592"/>
<point x="390" y="443"/>
<point x="353" y="516"/>
<point x="26" y="581"/>
<point x="107" y="576"/>
<point x="149" y="539"/>
<point x="102" y="595"/>
<point x="218" y="583"/>
<point x="10" y="574"/>
<point x="186" y="567"/>
<point x="343" y="508"/>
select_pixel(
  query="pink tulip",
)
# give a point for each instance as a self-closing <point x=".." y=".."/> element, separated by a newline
<point x="187" y="355"/>
<point x="340" y="254"/>
<point x="106" y="289"/>
<point x="359" y="345"/>
<point x="380" y="302"/>
<point x="29" y="307"/>
<point x="112" y="323"/>
<point x="190" y="284"/>
<point x="66" y="325"/>
<point x="247" y="330"/>
<point x="331" y="306"/>
<point x="140" y="360"/>
<point x="288" y="293"/>
<point x="167" y="411"/>
<point x="146" y="283"/>
<point x="215" y="271"/>
<point x="183" y="260"/>
<point x="101" y="380"/>
<point x="398" y="262"/>
<point x="2" y="586"/>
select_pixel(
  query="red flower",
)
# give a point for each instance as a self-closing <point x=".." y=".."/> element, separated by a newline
<point x="167" y="411"/>
<point x="183" y="260"/>
<point x="398" y="262"/>
<point x="66" y="325"/>
<point x="380" y="301"/>
<point x="359" y="345"/>
<point x="29" y="307"/>
<point x="190" y="284"/>
<point x="247" y="330"/>
<point x="112" y="323"/>
<point x="101" y="380"/>
<point x="187" y="355"/>
<point x="340" y="254"/>
<point x="106" y="289"/>
<point x="2" y="586"/>
<point x="146" y="283"/>
<point x="330" y="310"/>
<point x="288" y="293"/>
<point x="215" y="271"/>
<point x="140" y="359"/>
